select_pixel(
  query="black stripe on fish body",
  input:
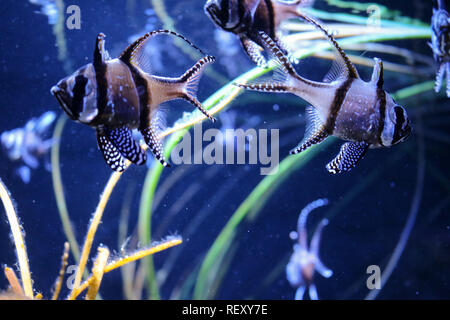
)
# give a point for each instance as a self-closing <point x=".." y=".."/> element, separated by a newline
<point x="142" y="90"/>
<point x="79" y="91"/>
<point x="100" y="68"/>
<point x="241" y="21"/>
<point x="244" y="19"/>
<point x="271" y="18"/>
<point x="381" y="97"/>
<point x="338" y="101"/>
<point x="399" y="121"/>
<point x="263" y="20"/>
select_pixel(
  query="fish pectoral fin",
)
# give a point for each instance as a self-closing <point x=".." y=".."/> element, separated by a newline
<point x="123" y="140"/>
<point x="315" y="131"/>
<point x="348" y="157"/>
<point x="190" y="80"/>
<point x="253" y="50"/>
<point x="154" y="144"/>
<point x="112" y="156"/>
<point x="377" y="75"/>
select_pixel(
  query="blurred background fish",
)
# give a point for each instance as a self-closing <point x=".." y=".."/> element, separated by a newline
<point x="440" y="44"/>
<point x="29" y="144"/>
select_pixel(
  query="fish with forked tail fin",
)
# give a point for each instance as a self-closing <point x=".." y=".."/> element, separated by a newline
<point x="345" y="106"/>
<point x="247" y="18"/>
<point x="116" y="96"/>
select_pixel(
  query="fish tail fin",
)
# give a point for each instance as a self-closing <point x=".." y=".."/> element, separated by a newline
<point x="190" y="80"/>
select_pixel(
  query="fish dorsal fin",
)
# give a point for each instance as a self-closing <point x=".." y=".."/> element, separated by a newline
<point x="136" y="55"/>
<point x="377" y="75"/>
<point x="100" y="53"/>
<point x="343" y="59"/>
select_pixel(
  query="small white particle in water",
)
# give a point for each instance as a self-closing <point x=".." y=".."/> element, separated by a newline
<point x="293" y="235"/>
<point x="276" y="107"/>
<point x="392" y="184"/>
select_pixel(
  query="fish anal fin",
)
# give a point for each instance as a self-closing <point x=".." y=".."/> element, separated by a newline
<point x="111" y="154"/>
<point x="123" y="140"/>
<point x="315" y="131"/>
<point x="154" y="144"/>
<point x="253" y="50"/>
<point x="377" y="75"/>
<point x="349" y="155"/>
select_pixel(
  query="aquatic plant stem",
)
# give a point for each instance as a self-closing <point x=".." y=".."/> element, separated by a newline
<point x="62" y="271"/>
<point x="14" y="283"/>
<point x="58" y="188"/>
<point x="97" y="273"/>
<point x="95" y="221"/>
<point x="145" y="209"/>
<point x="61" y="43"/>
<point x="117" y="263"/>
<point x="19" y="242"/>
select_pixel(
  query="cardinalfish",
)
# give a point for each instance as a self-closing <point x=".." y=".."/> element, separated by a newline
<point x="247" y="18"/>
<point x="440" y="44"/>
<point x="116" y="96"/>
<point x="305" y="261"/>
<point x="344" y="106"/>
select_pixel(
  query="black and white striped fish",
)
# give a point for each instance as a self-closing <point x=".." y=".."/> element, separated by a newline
<point x="344" y="106"/>
<point x="247" y="18"/>
<point x="118" y="95"/>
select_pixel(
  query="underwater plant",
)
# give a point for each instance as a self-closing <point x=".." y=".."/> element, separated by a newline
<point x="103" y="263"/>
<point x="164" y="196"/>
